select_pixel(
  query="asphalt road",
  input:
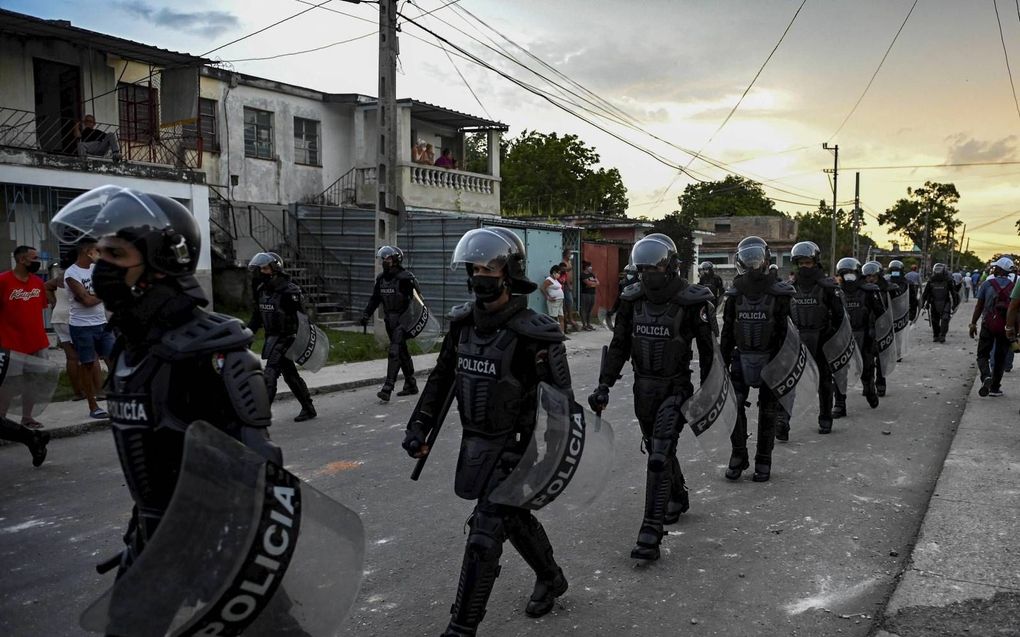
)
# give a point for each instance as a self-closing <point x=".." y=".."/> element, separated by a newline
<point x="815" y="551"/>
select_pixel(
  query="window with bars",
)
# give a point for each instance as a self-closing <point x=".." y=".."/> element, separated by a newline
<point x="306" y="142"/>
<point x="206" y="126"/>
<point x="138" y="106"/>
<point x="258" y="133"/>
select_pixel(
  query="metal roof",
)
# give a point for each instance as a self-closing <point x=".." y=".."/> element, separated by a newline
<point x="25" y="25"/>
<point x="446" y="116"/>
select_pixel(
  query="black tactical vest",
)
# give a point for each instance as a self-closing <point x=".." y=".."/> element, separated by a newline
<point x="393" y="301"/>
<point x="658" y="349"/>
<point x="856" y="308"/>
<point x="808" y="309"/>
<point x="274" y="318"/>
<point x="489" y="398"/>
<point x="755" y="322"/>
<point x="939" y="294"/>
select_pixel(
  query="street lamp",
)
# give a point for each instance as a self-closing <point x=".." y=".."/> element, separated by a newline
<point x="835" y="181"/>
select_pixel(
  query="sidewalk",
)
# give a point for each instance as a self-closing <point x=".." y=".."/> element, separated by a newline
<point x="963" y="576"/>
<point x="63" y="419"/>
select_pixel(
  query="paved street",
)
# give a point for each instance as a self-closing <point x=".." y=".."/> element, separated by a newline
<point x="813" y="552"/>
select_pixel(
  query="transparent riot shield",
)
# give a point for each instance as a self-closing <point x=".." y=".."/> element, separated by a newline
<point x="899" y="305"/>
<point x="567" y="462"/>
<point x="245" y="547"/>
<point x="711" y="412"/>
<point x="27" y="383"/>
<point x="885" y="341"/>
<point x="421" y="325"/>
<point x="310" y="348"/>
<point x="793" y="368"/>
<point x="843" y="357"/>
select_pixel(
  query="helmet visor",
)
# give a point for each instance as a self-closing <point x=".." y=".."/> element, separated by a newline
<point x="262" y="259"/>
<point x="753" y="257"/>
<point x="651" y="253"/>
<point x="108" y="210"/>
<point x="871" y="269"/>
<point x="482" y="247"/>
<point x="386" y="252"/>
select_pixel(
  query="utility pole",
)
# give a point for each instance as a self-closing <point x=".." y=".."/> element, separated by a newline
<point x="857" y="216"/>
<point x="387" y="127"/>
<point x="927" y="241"/>
<point x="835" y="183"/>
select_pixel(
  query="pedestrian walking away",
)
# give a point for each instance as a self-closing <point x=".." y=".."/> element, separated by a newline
<point x="817" y="310"/>
<point x="940" y="299"/>
<point x="393" y="290"/>
<point x="277" y="304"/>
<point x="492" y="359"/>
<point x="659" y="320"/>
<point x="993" y="300"/>
<point x="864" y="305"/>
<point x="174" y="362"/>
<point x="756" y="316"/>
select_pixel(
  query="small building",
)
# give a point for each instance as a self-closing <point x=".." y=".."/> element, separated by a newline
<point x="720" y="247"/>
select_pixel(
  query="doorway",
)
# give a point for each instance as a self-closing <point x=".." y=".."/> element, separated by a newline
<point x="57" y="104"/>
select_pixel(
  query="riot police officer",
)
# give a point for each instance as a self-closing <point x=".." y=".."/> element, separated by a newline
<point x="755" y="319"/>
<point x="174" y="361"/>
<point x="708" y="278"/>
<point x="898" y="286"/>
<point x="492" y="359"/>
<point x="660" y="318"/>
<point x="817" y="310"/>
<point x="393" y="289"/>
<point x="863" y="304"/>
<point x="277" y="303"/>
<point x="940" y="298"/>
<point x="873" y="272"/>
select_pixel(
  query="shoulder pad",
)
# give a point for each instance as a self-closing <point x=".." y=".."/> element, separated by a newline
<point x="404" y="275"/>
<point x="461" y="312"/>
<point x="782" y="288"/>
<point x="870" y="287"/>
<point x="206" y="333"/>
<point x="694" y="294"/>
<point x="828" y="282"/>
<point x="632" y="292"/>
<point x="540" y="327"/>
<point x="292" y="288"/>
<point x="731" y="291"/>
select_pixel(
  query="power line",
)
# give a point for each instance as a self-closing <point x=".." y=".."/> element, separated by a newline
<point x="318" y="48"/>
<point x="265" y="28"/>
<point x="1005" y="54"/>
<point x="875" y="74"/>
<point x="464" y="79"/>
<point x="956" y="165"/>
<point x="994" y="221"/>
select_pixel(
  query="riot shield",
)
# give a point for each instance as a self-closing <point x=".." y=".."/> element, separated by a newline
<point x="310" y="348"/>
<point x="843" y="357"/>
<point x="27" y="383"/>
<point x="711" y="412"/>
<point x="899" y="305"/>
<point x="885" y="341"/>
<point x="566" y="450"/>
<point x="791" y="368"/>
<point x="245" y="547"/>
<point x="421" y="325"/>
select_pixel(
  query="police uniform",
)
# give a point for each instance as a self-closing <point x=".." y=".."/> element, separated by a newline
<point x="817" y="310"/>
<point x="393" y="292"/>
<point x="278" y="301"/>
<point x="941" y="298"/>
<point x="863" y="305"/>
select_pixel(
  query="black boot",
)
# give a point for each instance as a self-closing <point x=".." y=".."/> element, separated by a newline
<point x="824" y="424"/>
<point x="839" y="407"/>
<point x="478" y="575"/>
<point x="738" y="463"/>
<point x="410" y="387"/>
<point x="543" y="598"/>
<point x="762" y="468"/>
<point x="657" y="491"/>
<point x="384" y="393"/>
<point x="38" y="447"/>
<point x="783" y="428"/>
<point x="880" y="390"/>
<point x="307" y="413"/>
<point x="871" y="395"/>
<point x="679" y="498"/>
<point x="527" y="535"/>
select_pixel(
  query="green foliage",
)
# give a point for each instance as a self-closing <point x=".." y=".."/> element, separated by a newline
<point x="556" y="175"/>
<point x="476" y="153"/>
<point x="732" y="197"/>
<point x="817" y="226"/>
<point x="969" y="261"/>
<point x="934" y="202"/>
<point x="679" y="226"/>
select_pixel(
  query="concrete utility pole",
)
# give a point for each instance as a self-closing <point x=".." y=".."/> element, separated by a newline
<point x="387" y="169"/>
<point x="857" y="216"/>
<point x="835" y="183"/>
<point x="927" y="241"/>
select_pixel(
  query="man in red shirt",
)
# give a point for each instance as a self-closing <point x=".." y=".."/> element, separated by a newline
<point x="22" y="301"/>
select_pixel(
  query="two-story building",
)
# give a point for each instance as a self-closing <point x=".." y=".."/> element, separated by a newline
<point x="720" y="247"/>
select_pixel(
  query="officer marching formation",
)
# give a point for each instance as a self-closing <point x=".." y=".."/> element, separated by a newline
<point x="504" y="365"/>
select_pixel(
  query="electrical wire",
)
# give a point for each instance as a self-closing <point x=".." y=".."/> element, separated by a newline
<point x="1005" y="54"/>
<point x="464" y="79"/>
<point x="265" y="28"/>
<point x="875" y="74"/>
<point x="994" y="221"/>
<point x="954" y="165"/>
<point x="318" y="48"/>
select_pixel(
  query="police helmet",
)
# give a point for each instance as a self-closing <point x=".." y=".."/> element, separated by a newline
<point x="895" y="265"/>
<point x="162" y="229"/>
<point x="752" y="254"/>
<point x="654" y="251"/>
<point x="706" y="266"/>
<point x="806" y="250"/>
<point x="871" y="268"/>
<point x="273" y="260"/>
<point x="494" y="248"/>
<point x="938" y="268"/>
<point x="847" y="265"/>
<point x="390" y="252"/>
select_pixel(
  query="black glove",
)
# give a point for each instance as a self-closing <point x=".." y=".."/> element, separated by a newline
<point x="414" y="438"/>
<point x="364" y="320"/>
<point x="599" y="398"/>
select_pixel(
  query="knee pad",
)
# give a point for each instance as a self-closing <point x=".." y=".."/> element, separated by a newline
<point x="487" y="535"/>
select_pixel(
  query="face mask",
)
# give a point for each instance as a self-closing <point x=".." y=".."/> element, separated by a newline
<point x="654" y="280"/>
<point x="33" y="266"/>
<point x="805" y="272"/>
<point x="850" y="277"/>
<point x="108" y="281"/>
<point x="487" y="288"/>
<point x="894" y="273"/>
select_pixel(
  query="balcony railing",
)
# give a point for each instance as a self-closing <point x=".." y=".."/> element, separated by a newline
<point x="438" y="188"/>
<point x="168" y="146"/>
<point x="432" y="177"/>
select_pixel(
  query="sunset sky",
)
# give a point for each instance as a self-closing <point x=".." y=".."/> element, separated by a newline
<point x="675" y="69"/>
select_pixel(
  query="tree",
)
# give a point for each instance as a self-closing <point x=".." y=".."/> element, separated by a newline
<point x="732" y="197"/>
<point x="476" y="153"/>
<point x="679" y="226"/>
<point x="932" y="203"/>
<point x="556" y="175"/>
<point x="817" y="226"/>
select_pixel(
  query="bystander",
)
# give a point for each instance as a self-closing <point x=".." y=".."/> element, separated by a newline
<point x="552" y="290"/>
<point x="589" y="289"/>
<point x="89" y="331"/>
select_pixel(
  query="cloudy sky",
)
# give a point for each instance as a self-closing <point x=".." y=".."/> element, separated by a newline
<point x="673" y="69"/>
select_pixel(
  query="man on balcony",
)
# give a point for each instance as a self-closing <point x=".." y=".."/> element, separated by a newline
<point x="446" y="160"/>
<point x="93" y="142"/>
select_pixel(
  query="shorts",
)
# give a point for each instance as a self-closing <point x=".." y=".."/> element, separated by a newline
<point x="555" y="308"/>
<point x="568" y="300"/>
<point x="63" y="332"/>
<point x="90" y="341"/>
